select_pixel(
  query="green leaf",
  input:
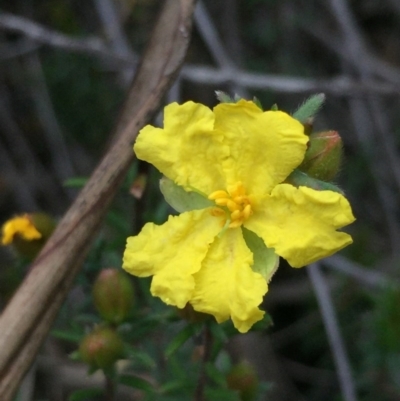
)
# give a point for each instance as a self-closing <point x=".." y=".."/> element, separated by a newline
<point x="136" y="382"/>
<point x="180" y="339"/>
<point x="141" y="358"/>
<point x="218" y="332"/>
<point x="85" y="394"/>
<point x="173" y="386"/>
<point x="215" y="375"/>
<point x="221" y="394"/>
<point x="309" y="108"/>
<point x="265" y="323"/>
<point x="181" y="200"/>
<point x="118" y="221"/>
<point x="266" y="261"/>
<point x="75" y="182"/>
<point x="298" y="178"/>
<point x="71" y="336"/>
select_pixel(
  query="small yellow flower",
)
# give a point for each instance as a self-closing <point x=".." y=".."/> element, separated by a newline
<point x="237" y="157"/>
<point x="19" y="225"/>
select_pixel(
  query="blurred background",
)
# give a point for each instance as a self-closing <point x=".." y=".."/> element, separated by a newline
<point x="65" y="67"/>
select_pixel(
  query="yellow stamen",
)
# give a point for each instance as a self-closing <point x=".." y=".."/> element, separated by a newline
<point x="247" y="212"/>
<point x="218" y="194"/>
<point x="222" y="201"/>
<point x="236" y="215"/>
<point x="232" y="206"/>
<point x="237" y="203"/>
<point x="217" y="212"/>
<point x="235" y="224"/>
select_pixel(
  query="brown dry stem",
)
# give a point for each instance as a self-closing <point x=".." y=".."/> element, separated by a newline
<point x="27" y="319"/>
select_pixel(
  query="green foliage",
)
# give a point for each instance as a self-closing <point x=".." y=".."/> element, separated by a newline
<point x="160" y="347"/>
<point x="309" y="108"/>
<point x="181" y="200"/>
<point x="85" y="394"/>
<point x="266" y="261"/>
<point x="79" y="84"/>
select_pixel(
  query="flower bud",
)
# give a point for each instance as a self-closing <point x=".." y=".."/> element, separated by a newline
<point x="244" y="379"/>
<point x="113" y="295"/>
<point x="28" y="233"/>
<point x="323" y="156"/>
<point x="101" y="348"/>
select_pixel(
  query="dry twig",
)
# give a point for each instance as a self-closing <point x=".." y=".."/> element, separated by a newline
<point x="26" y="320"/>
<point x="227" y="73"/>
<point x="324" y="300"/>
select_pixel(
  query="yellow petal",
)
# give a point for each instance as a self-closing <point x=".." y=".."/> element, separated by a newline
<point x="265" y="147"/>
<point x="187" y="150"/>
<point x="19" y="225"/>
<point x="172" y="252"/>
<point x="300" y="223"/>
<point x="226" y="286"/>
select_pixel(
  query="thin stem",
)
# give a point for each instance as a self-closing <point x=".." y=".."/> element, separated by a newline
<point x="110" y="387"/>
<point x="201" y="383"/>
<point x="335" y="339"/>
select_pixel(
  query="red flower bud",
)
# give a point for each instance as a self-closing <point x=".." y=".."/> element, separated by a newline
<point x="244" y="379"/>
<point x="101" y="348"/>
<point x="113" y="295"/>
<point x="323" y="156"/>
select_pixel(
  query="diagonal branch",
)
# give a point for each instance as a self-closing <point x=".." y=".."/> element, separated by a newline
<point x="322" y="293"/>
<point x="29" y="315"/>
<point x="228" y="73"/>
<point x="41" y="34"/>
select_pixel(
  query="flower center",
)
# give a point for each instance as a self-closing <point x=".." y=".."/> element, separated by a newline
<point x="236" y="202"/>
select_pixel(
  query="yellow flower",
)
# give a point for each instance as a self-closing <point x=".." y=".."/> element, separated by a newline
<point x="19" y="225"/>
<point x="27" y="233"/>
<point x="237" y="157"/>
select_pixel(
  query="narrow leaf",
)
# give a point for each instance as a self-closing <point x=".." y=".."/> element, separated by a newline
<point x="75" y="182"/>
<point x="180" y="339"/>
<point x="85" y="394"/>
<point x="71" y="336"/>
<point x="309" y="108"/>
<point x="137" y="383"/>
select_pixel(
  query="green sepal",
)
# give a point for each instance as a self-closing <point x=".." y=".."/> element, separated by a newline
<point x="300" y="179"/>
<point x="266" y="261"/>
<point x="257" y="102"/>
<point x="274" y="107"/>
<point x="181" y="200"/>
<point x="309" y="108"/>
<point x="223" y="97"/>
